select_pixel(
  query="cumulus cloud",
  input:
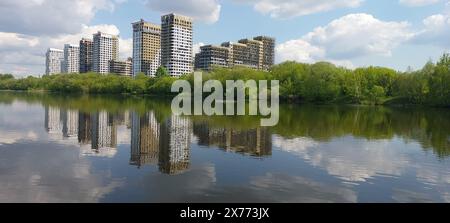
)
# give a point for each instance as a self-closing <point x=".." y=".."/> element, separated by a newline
<point x="201" y="10"/>
<point x="436" y="31"/>
<point x="417" y="3"/>
<point x="294" y="8"/>
<point x="346" y="38"/>
<point x="49" y="17"/>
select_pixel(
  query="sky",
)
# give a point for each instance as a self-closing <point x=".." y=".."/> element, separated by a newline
<point x="351" y="33"/>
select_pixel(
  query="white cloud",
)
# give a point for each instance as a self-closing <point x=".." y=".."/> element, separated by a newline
<point x="417" y="3"/>
<point x="436" y="31"/>
<point x="346" y="38"/>
<point x="201" y="10"/>
<point x="25" y="54"/>
<point x="294" y="8"/>
<point x="49" y="17"/>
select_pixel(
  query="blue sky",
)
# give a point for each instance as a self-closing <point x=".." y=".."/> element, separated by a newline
<point x="352" y="33"/>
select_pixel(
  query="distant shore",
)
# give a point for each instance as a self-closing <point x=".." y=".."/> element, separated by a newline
<point x="319" y="83"/>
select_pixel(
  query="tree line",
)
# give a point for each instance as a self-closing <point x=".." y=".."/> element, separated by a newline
<point x="321" y="82"/>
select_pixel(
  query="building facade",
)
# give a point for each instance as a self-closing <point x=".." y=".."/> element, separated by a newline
<point x="210" y="56"/>
<point x="176" y="44"/>
<point x="268" y="59"/>
<point x="54" y="61"/>
<point x="257" y="53"/>
<point x="105" y="49"/>
<point x="86" y="48"/>
<point x="123" y="68"/>
<point x="146" y="48"/>
<point x="71" y="59"/>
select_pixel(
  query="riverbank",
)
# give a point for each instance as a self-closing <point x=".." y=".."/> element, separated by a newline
<point x="319" y="83"/>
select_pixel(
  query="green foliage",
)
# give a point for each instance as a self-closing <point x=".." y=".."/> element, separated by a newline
<point x="316" y="83"/>
<point x="162" y="72"/>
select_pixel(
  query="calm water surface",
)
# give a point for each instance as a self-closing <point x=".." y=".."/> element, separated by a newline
<point x="127" y="149"/>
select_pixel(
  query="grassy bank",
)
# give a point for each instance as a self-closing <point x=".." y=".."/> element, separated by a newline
<point x="321" y="82"/>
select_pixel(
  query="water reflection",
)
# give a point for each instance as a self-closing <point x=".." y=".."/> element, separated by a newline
<point x="255" y="142"/>
<point x="134" y="149"/>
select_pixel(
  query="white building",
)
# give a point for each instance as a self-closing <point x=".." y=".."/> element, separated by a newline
<point x="71" y="59"/>
<point x="106" y="48"/>
<point x="54" y="60"/>
<point x="176" y="44"/>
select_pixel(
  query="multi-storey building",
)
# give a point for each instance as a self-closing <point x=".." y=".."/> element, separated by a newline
<point x="257" y="53"/>
<point x="54" y="60"/>
<point x="146" y="48"/>
<point x="71" y="59"/>
<point x="212" y="56"/>
<point x="86" y="47"/>
<point x="268" y="51"/>
<point x="105" y="49"/>
<point x="176" y="44"/>
<point x="122" y="68"/>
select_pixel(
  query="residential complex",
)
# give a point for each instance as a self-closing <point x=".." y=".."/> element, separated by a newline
<point x="257" y="53"/>
<point x="71" y="59"/>
<point x="169" y="45"/>
<point x="106" y="48"/>
<point x="146" y="48"/>
<point x="122" y="68"/>
<point x="53" y="61"/>
<point x="86" y="49"/>
<point x="176" y="44"/>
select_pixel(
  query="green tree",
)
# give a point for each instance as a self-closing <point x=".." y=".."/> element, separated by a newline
<point x="162" y="72"/>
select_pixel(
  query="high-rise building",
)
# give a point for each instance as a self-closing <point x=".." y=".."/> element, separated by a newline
<point x="71" y="59"/>
<point x="105" y="49"/>
<point x="176" y="44"/>
<point x="268" y="51"/>
<point x="122" y="68"/>
<point x="146" y="48"/>
<point x="86" y="48"/>
<point x="53" y="61"/>
<point x="257" y="53"/>
<point x="212" y="56"/>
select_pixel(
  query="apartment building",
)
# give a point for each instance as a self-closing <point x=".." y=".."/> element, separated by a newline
<point x="53" y="61"/>
<point x="71" y="59"/>
<point x="123" y="68"/>
<point x="268" y="59"/>
<point x="257" y="53"/>
<point x="105" y="49"/>
<point x="211" y="55"/>
<point x="146" y="48"/>
<point x="86" y="49"/>
<point x="176" y="44"/>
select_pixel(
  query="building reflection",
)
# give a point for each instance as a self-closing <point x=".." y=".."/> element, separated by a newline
<point x="144" y="139"/>
<point x="164" y="142"/>
<point x="255" y="142"/>
<point x="175" y="141"/>
<point x="53" y="124"/>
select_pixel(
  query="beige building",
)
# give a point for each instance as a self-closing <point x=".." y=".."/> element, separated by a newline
<point x="122" y="68"/>
<point x="257" y="53"/>
<point x="146" y="48"/>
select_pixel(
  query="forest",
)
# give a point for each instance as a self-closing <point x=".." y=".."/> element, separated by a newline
<point x="321" y="83"/>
